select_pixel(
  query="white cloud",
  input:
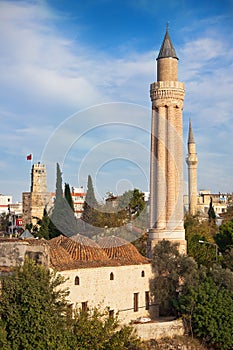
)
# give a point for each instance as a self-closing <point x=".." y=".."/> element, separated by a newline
<point x="45" y="76"/>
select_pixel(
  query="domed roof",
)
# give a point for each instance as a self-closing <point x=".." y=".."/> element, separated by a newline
<point x="59" y="257"/>
<point x="84" y="240"/>
<point x="81" y="248"/>
<point x="82" y="252"/>
<point x="120" y="249"/>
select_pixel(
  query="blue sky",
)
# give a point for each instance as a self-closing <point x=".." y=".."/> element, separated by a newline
<point x="75" y="77"/>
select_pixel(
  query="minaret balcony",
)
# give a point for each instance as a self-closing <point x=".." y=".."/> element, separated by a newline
<point x="167" y="89"/>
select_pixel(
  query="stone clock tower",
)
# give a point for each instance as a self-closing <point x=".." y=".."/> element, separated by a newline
<point x="38" y="198"/>
<point x="166" y="164"/>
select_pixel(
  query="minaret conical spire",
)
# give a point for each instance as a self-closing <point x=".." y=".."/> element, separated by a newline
<point x="191" y="136"/>
<point x="167" y="49"/>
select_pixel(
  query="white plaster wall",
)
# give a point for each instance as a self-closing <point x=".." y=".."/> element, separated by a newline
<point x="97" y="289"/>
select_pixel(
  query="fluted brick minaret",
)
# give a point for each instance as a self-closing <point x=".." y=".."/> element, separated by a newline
<point x="166" y="168"/>
<point x="192" y="161"/>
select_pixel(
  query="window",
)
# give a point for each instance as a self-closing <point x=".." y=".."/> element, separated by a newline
<point x="135" y="302"/>
<point x="143" y="273"/>
<point x="147" y="300"/>
<point x="111" y="276"/>
<point x="111" y="313"/>
<point x="84" y="306"/>
<point x="35" y="256"/>
<point x="77" y="281"/>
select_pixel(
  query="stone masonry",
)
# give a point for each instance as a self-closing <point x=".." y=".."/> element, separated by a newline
<point x="166" y="173"/>
<point x="35" y="201"/>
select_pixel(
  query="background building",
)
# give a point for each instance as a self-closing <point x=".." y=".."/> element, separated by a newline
<point x="220" y="202"/>
<point x="78" y="195"/>
<point x="5" y="201"/>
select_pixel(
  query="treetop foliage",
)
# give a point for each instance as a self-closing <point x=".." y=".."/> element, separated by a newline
<point x="202" y="296"/>
<point x="35" y="314"/>
<point x="63" y="220"/>
<point x="68" y="196"/>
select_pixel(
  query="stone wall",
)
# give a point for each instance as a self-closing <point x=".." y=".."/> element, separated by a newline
<point x="13" y="253"/>
<point x="33" y="206"/>
<point x="157" y="330"/>
<point x="114" y="287"/>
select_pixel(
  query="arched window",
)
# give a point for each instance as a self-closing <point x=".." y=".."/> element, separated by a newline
<point x="143" y="273"/>
<point x="111" y="276"/>
<point x="76" y="281"/>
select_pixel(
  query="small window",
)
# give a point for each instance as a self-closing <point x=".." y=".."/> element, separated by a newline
<point x="77" y="281"/>
<point x="143" y="273"/>
<point x="111" y="313"/>
<point x="84" y="306"/>
<point x="147" y="300"/>
<point x="135" y="302"/>
<point x="111" y="276"/>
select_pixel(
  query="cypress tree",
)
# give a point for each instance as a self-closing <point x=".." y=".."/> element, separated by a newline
<point x="90" y="197"/>
<point x="211" y="212"/>
<point x="44" y="230"/>
<point x="68" y="196"/>
<point x="90" y="208"/>
<point x="63" y="220"/>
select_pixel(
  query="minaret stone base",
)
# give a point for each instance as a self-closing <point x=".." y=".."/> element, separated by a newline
<point x="176" y="237"/>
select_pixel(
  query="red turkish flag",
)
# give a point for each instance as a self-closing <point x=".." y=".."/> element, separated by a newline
<point x="29" y="157"/>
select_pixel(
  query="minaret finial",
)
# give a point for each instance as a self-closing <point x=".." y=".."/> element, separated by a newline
<point x="167" y="49"/>
<point x="191" y="136"/>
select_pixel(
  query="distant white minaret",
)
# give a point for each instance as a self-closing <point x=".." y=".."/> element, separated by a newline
<point x="192" y="161"/>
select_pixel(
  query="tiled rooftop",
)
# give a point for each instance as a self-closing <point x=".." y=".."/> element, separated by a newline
<point x="120" y="249"/>
<point x="81" y="252"/>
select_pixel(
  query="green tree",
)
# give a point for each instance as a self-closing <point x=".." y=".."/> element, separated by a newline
<point x="4" y="222"/>
<point x="198" y="230"/>
<point x="97" y="330"/>
<point x="63" y="220"/>
<point x="33" y="309"/>
<point x="141" y="243"/>
<point x="211" y="212"/>
<point x="44" y="230"/>
<point x="222" y="277"/>
<point x="224" y="238"/>
<point x="208" y="310"/>
<point x="90" y="196"/>
<point x="91" y="214"/>
<point x="34" y="314"/>
<point x="68" y="196"/>
<point x="133" y="201"/>
<point x="173" y="273"/>
<point x="227" y="260"/>
<point x="4" y="345"/>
